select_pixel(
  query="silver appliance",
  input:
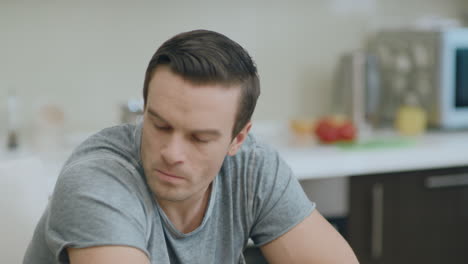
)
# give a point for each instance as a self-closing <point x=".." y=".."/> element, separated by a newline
<point x="356" y="91"/>
<point x="428" y="69"/>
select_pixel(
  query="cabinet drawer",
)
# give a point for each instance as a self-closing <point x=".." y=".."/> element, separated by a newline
<point x="410" y="217"/>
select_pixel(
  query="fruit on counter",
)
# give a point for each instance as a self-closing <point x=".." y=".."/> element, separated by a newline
<point x="347" y="131"/>
<point x="333" y="129"/>
<point x="326" y="131"/>
<point x="302" y="126"/>
<point x="410" y="120"/>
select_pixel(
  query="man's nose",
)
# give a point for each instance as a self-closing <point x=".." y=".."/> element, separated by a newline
<point x="173" y="150"/>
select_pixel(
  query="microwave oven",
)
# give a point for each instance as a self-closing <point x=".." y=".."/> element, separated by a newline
<point x="425" y="68"/>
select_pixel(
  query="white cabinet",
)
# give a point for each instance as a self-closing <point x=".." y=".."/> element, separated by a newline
<point x="23" y="197"/>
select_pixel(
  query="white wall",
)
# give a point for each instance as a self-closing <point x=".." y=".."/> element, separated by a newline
<point x="465" y="11"/>
<point x="88" y="56"/>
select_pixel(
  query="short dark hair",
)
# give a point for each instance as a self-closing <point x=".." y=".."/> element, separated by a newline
<point x="204" y="57"/>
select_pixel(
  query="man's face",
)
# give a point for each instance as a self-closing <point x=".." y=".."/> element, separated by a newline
<point x="186" y="134"/>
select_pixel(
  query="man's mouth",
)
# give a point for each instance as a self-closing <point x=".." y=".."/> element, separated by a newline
<point x="169" y="174"/>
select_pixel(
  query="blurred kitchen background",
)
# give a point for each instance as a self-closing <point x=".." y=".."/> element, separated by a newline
<point x="70" y="68"/>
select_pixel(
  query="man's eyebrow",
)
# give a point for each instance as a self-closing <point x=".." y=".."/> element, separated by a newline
<point x="213" y="132"/>
<point x="154" y="114"/>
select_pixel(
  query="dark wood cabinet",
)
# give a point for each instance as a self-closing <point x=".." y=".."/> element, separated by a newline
<point x="410" y="217"/>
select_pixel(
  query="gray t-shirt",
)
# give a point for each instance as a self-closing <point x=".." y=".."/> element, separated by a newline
<point x="101" y="198"/>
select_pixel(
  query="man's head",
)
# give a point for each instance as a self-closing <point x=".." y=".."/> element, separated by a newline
<point x="207" y="57"/>
<point x="200" y="91"/>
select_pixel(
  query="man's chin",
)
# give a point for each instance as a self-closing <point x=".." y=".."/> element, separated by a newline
<point x="172" y="198"/>
<point x="168" y="193"/>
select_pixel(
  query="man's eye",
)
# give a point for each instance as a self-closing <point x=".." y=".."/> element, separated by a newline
<point x="165" y="128"/>
<point x="200" y="140"/>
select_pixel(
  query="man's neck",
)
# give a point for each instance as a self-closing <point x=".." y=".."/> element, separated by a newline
<point x="187" y="215"/>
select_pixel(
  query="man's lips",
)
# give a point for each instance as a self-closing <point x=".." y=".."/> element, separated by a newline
<point x="168" y="174"/>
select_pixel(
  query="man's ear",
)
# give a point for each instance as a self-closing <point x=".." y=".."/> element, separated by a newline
<point x="239" y="139"/>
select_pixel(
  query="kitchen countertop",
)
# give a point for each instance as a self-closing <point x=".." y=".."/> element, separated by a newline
<point x="313" y="161"/>
<point x="308" y="161"/>
<point x="433" y="150"/>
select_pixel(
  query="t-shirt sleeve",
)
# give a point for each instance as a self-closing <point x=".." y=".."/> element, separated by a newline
<point x="279" y="202"/>
<point x="95" y="203"/>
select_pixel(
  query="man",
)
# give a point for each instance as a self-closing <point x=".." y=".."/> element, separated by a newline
<point x="188" y="184"/>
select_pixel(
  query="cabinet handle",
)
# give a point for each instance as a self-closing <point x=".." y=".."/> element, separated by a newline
<point x="441" y="181"/>
<point x="377" y="220"/>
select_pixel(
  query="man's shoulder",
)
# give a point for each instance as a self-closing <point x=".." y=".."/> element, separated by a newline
<point x="119" y="142"/>
<point x="108" y="157"/>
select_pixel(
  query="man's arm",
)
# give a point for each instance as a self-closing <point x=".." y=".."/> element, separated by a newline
<point x="107" y="255"/>
<point x="314" y="240"/>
